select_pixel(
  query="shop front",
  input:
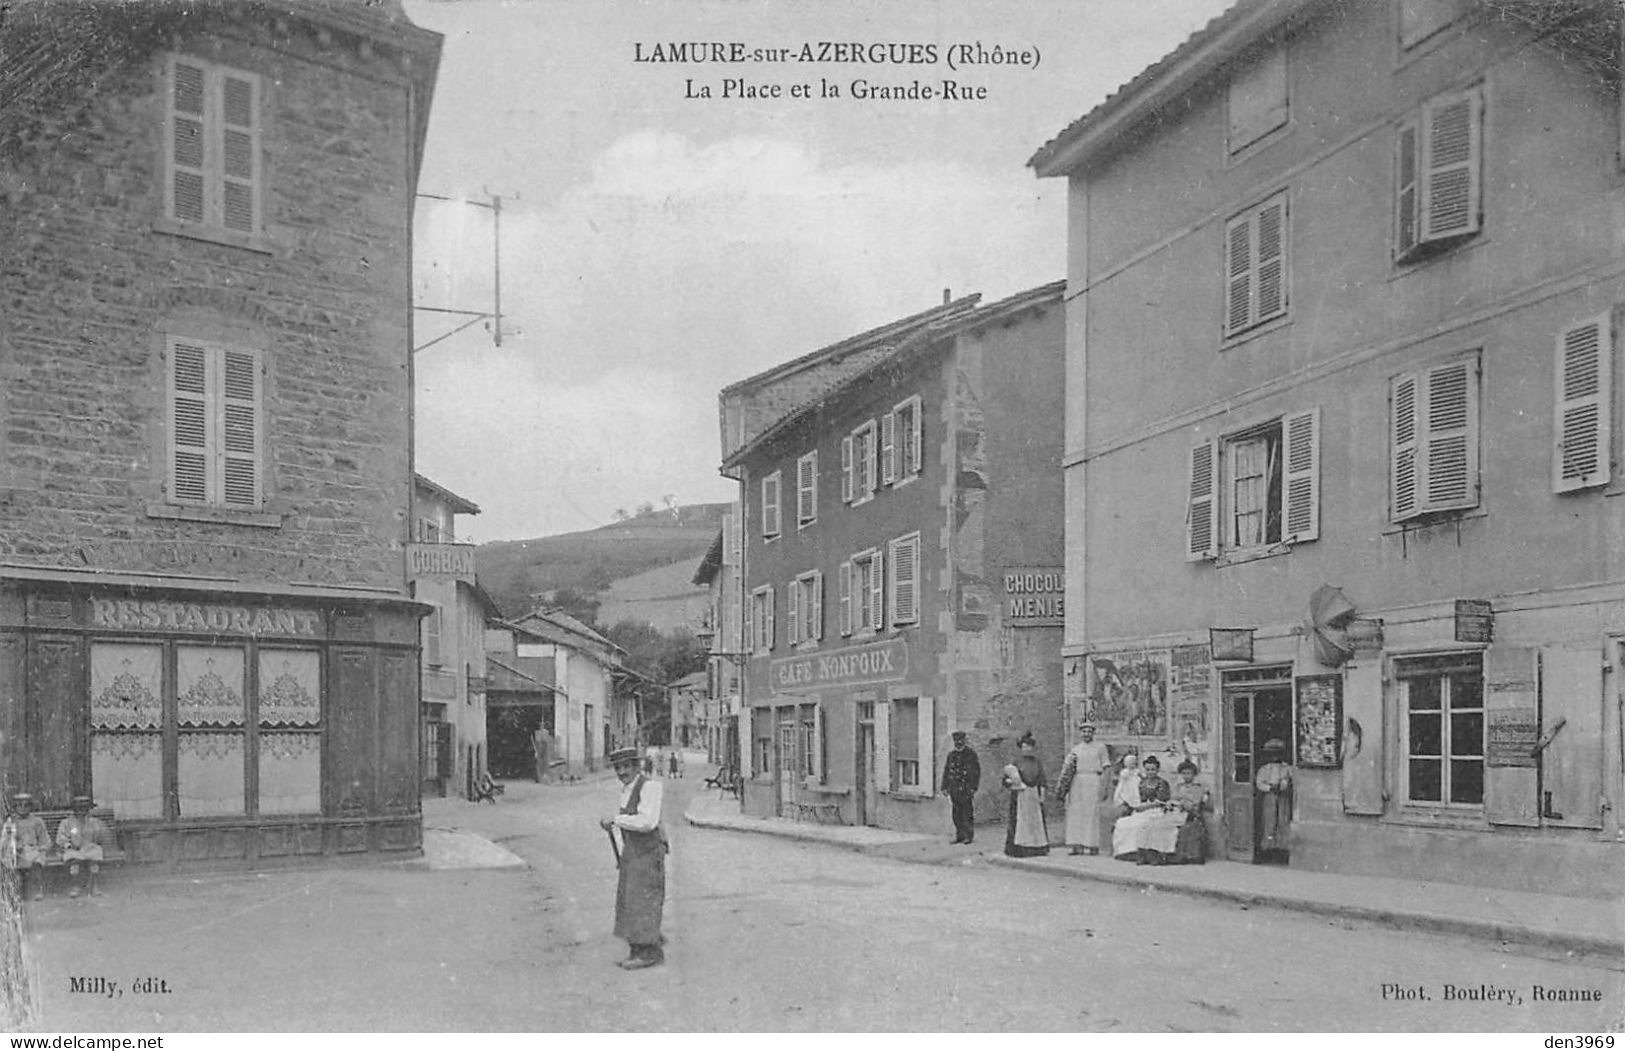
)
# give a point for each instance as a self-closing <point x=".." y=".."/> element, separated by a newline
<point x="222" y="726"/>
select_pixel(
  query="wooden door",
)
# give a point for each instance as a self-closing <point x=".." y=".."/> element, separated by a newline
<point x="1238" y="776"/>
<point x="787" y="767"/>
<point x="864" y="767"/>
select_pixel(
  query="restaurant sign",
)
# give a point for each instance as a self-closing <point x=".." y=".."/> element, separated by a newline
<point x="209" y="617"/>
<point x="1034" y="596"/>
<point x="878" y="662"/>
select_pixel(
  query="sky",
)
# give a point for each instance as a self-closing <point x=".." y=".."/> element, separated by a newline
<point x="657" y="244"/>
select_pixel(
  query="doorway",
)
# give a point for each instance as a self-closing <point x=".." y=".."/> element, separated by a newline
<point x="1257" y="709"/>
<point x="787" y="767"/>
<point x="864" y="794"/>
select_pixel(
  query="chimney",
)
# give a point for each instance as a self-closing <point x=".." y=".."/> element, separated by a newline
<point x="947" y="296"/>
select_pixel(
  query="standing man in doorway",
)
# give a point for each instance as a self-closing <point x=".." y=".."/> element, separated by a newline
<point x="961" y="776"/>
<point x="640" y="894"/>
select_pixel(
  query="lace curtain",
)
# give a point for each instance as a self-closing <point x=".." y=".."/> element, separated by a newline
<point x="290" y="773"/>
<point x="126" y="690"/>
<point x="209" y="685"/>
<point x="209" y="769"/>
<point x="127" y="770"/>
<point x="290" y="688"/>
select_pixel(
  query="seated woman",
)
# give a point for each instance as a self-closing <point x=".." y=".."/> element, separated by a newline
<point x="1193" y="801"/>
<point x="1148" y="835"/>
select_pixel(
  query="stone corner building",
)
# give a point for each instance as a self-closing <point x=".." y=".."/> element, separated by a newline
<point x="205" y="422"/>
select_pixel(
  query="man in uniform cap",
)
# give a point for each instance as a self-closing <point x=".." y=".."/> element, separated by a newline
<point x="961" y="776"/>
<point x="26" y="842"/>
<point x="640" y="894"/>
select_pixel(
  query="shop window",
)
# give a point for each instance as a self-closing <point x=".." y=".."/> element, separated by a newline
<point x="1255" y="489"/>
<point x="213" y="182"/>
<point x="812" y="742"/>
<point x="770" y="506"/>
<point x="763" y="753"/>
<point x="1255" y="266"/>
<point x="210" y="717"/>
<point x="215" y="423"/>
<point x="911" y="745"/>
<point x="1438" y="185"/>
<point x="859" y="453"/>
<point x="1258" y="99"/>
<point x="290" y="736"/>
<point x="1442" y="728"/>
<point x="126" y="727"/>
<point x="1434" y="439"/>
<point x="807" y="490"/>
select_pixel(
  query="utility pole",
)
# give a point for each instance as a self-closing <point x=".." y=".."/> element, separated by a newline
<point x="494" y="315"/>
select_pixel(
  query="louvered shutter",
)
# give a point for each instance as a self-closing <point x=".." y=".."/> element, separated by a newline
<point x="807" y="489"/>
<point x="883" y="746"/>
<point x="916" y="436"/>
<point x="187" y="131"/>
<point x="1584" y="402"/>
<point x="888" y="448"/>
<point x="815" y="630"/>
<point x="1450" y="198"/>
<point x="846" y="469"/>
<point x="747" y="743"/>
<point x="1511" y="787"/>
<point x="239" y="152"/>
<point x="190" y="410"/>
<point x="1572" y="765"/>
<point x="1406" y="210"/>
<point x="771" y="635"/>
<point x="815" y="761"/>
<point x="1302" y="476"/>
<point x="770" y="505"/>
<point x="1404" y="494"/>
<point x="877" y="591"/>
<point x="1450" y="467"/>
<point x="871" y="456"/>
<point x="1238" y="268"/>
<point x="240" y="437"/>
<point x="843" y="578"/>
<point x="752" y="617"/>
<point x="927" y="729"/>
<point x="1201" y="515"/>
<point x="792" y="609"/>
<point x="905" y="579"/>
<point x="1362" y="743"/>
<point x="1271" y="274"/>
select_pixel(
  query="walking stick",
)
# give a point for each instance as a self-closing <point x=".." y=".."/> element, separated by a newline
<point x="616" y="847"/>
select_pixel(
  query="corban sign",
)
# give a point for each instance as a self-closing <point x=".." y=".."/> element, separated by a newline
<point x="879" y="662"/>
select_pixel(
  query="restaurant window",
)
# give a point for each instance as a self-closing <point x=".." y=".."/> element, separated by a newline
<point x="1441" y="700"/>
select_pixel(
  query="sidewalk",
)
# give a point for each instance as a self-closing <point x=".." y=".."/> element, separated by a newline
<point x="1545" y="921"/>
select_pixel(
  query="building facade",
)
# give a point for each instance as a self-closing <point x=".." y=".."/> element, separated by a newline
<point x="590" y="717"/>
<point x="1362" y="263"/>
<point x="722" y="631"/>
<point x="205" y="423"/>
<point x="901" y="570"/>
<point x="453" y="709"/>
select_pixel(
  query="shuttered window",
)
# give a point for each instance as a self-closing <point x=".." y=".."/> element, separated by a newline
<point x="868" y="595"/>
<point x="1258" y="99"/>
<point x="807" y="489"/>
<point x="905" y="580"/>
<point x="1583" y="416"/>
<point x="1255" y="488"/>
<point x="760" y="615"/>
<point x="860" y="456"/>
<point x="1438" y="179"/>
<point x="215" y="424"/>
<point x="212" y="170"/>
<point x="806" y="608"/>
<point x="1255" y="266"/>
<point x="770" y="506"/>
<point x="1433" y="416"/>
<point x="902" y="446"/>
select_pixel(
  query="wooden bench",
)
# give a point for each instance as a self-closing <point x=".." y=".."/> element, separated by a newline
<point x="727" y="780"/>
<point x="112" y="853"/>
<point x="825" y="805"/>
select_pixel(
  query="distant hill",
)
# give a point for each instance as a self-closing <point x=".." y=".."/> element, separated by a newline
<point x="589" y="561"/>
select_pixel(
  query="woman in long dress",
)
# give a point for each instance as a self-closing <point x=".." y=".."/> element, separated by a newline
<point x="1081" y="788"/>
<point x="1149" y="834"/>
<point x="1026" y="835"/>
<point x="1194" y="802"/>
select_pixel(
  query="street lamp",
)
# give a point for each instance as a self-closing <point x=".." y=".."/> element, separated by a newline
<point x="706" y="635"/>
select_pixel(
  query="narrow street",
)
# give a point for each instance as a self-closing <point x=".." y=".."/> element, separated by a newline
<point x="765" y="935"/>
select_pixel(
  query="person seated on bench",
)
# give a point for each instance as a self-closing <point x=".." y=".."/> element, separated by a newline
<point x="26" y="842"/>
<point x="81" y="838"/>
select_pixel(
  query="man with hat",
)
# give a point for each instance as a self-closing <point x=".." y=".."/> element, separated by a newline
<point x="1274" y="780"/>
<point x="961" y="776"/>
<point x="81" y="835"/>
<point x="640" y="893"/>
<point x="26" y="843"/>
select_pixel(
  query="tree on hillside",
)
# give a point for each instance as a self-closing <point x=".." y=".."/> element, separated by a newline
<point x="663" y="657"/>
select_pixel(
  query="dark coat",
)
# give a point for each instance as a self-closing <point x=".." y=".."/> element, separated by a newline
<point x="962" y="773"/>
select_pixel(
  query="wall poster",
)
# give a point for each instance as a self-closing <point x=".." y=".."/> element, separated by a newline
<point x="1320" y="719"/>
<point x="1128" y="693"/>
